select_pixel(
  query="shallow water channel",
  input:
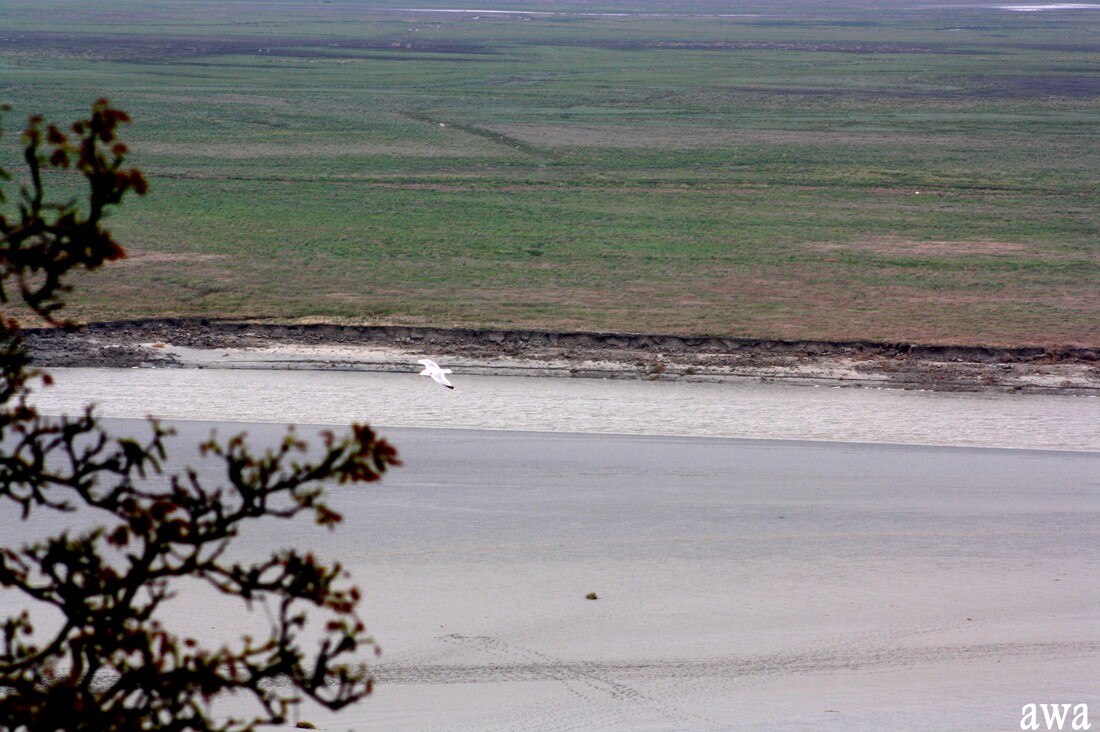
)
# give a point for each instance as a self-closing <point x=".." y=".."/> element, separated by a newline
<point x="740" y="409"/>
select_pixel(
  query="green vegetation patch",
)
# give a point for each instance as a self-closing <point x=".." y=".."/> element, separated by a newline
<point x="888" y="173"/>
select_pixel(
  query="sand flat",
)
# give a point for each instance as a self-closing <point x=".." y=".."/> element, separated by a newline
<point x="741" y="584"/>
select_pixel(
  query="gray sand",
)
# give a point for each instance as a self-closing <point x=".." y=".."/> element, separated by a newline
<point x="741" y="584"/>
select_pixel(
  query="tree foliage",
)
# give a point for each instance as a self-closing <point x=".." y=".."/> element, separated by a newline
<point x="106" y="661"/>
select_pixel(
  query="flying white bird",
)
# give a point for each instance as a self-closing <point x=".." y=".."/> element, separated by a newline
<point x="431" y="368"/>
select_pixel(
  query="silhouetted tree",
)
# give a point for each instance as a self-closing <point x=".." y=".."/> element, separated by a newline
<point x="110" y="664"/>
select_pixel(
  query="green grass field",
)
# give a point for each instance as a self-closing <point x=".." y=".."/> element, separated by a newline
<point x="823" y="170"/>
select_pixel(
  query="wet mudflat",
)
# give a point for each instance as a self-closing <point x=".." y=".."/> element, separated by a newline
<point x="754" y="584"/>
<point x="741" y="584"/>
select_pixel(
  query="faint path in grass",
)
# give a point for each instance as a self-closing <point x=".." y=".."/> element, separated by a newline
<point x="544" y="155"/>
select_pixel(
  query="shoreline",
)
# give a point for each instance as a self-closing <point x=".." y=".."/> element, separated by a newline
<point x="764" y="413"/>
<point x="203" y="343"/>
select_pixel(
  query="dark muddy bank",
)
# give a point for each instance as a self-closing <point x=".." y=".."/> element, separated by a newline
<point x="627" y="355"/>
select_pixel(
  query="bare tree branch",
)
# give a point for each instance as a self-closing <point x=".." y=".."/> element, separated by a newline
<point x="110" y="664"/>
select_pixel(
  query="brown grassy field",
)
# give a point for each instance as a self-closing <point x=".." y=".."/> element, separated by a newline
<point x="818" y="171"/>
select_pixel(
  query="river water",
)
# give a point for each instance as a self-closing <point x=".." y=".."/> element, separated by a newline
<point x="739" y="409"/>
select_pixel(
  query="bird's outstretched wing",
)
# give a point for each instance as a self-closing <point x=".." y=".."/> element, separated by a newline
<point x="431" y="368"/>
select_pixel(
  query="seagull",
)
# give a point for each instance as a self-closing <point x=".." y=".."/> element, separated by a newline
<point x="431" y="368"/>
